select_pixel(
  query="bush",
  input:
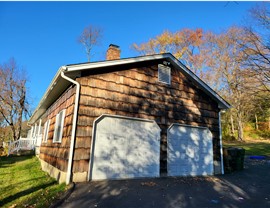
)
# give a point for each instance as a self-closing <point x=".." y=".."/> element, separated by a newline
<point x="3" y="151"/>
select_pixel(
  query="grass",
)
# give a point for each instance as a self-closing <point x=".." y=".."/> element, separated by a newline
<point x="257" y="134"/>
<point x="251" y="145"/>
<point x="24" y="184"/>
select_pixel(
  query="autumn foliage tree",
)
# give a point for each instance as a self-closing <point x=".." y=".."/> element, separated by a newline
<point x="226" y="61"/>
<point x="13" y="101"/>
<point x="219" y="59"/>
<point x="183" y="44"/>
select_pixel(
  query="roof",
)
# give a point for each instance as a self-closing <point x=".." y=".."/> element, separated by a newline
<point x="59" y="84"/>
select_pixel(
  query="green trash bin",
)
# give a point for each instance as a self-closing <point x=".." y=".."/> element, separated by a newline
<point x="233" y="159"/>
<point x="240" y="159"/>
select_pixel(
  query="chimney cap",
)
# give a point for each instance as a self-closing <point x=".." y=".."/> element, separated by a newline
<point x="115" y="46"/>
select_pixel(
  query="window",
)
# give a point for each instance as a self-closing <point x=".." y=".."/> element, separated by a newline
<point x="46" y="130"/>
<point x="58" y="127"/>
<point x="164" y="74"/>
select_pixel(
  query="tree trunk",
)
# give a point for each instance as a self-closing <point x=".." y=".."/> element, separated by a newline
<point x="13" y="129"/>
<point x="240" y="126"/>
<point x="269" y="123"/>
<point x="232" y="125"/>
<point x="21" y="110"/>
<point x="256" y="122"/>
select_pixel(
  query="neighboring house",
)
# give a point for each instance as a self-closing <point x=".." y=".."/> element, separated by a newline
<point x="129" y="118"/>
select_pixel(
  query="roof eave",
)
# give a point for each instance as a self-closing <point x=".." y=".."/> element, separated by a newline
<point x="38" y="111"/>
<point x="86" y="66"/>
<point x="80" y="67"/>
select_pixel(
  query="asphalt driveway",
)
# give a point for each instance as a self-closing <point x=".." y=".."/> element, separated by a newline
<point x="247" y="188"/>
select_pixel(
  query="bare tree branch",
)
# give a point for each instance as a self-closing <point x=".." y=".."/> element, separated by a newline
<point x="90" y="37"/>
<point x="13" y="103"/>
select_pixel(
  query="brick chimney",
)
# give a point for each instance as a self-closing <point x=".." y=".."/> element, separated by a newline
<point x="113" y="52"/>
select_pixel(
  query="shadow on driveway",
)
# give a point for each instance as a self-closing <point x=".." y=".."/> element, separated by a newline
<point x="247" y="188"/>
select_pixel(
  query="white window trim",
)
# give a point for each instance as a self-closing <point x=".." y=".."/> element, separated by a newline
<point x="59" y="140"/>
<point x="46" y="130"/>
<point x="169" y="71"/>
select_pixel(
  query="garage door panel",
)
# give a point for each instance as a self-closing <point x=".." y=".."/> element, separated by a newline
<point x="109" y="169"/>
<point x="104" y="139"/>
<point x="145" y="171"/>
<point x="132" y="148"/>
<point x="190" y="151"/>
<point x="173" y="170"/>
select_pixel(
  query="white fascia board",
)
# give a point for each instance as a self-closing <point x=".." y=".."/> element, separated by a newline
<point x="117" y="62"/>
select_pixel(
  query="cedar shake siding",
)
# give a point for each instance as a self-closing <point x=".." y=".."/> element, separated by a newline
<point x="134" y="91"/>
<point x="130" y="88"/>
<point x="56" y="154"/>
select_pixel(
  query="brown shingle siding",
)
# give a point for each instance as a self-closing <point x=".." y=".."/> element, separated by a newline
<point x="56" y="154"/>
<point x="136" y="92"/>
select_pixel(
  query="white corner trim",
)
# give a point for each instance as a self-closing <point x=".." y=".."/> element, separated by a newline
<point x="220" y="140"/>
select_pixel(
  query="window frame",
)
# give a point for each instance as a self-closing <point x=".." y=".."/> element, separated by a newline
<point x="59" y="124"/>
<point x="46" y="130"/>
<point x="168" y="72"/>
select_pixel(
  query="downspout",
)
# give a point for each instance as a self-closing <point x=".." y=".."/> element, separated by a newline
<point x="74" y="124"/>
<point x="220" y="140"/>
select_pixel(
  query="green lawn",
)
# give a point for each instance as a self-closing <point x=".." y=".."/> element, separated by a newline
<point x="24" y="184"/>
<point x="252" y="147"/>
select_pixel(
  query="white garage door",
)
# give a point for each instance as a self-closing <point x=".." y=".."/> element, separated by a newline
<point x="125" y="148"/>
<point x="190" y="151"/>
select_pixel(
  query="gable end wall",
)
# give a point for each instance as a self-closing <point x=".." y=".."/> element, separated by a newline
<point x="136" y="92"/>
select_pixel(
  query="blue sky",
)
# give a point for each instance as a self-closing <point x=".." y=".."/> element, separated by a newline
<point x="42" y="36"/>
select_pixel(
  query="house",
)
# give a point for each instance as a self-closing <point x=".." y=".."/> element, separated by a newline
<point x="136" y="117"/>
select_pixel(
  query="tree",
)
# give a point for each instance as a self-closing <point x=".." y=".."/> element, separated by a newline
<point x="220" y="60"/>
<point x="13" y="102"/>
<point x="257" y="48"/>
<point x="183" y="44"/>
<point x="259" y="110"/>
<point x="90" y="37"/>
<point x="225" y="61"/>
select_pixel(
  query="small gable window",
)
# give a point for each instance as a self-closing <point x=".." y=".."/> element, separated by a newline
<point x="164" y="74"/>
<point x="46" y="130"/>
<point x="58" y="127"/>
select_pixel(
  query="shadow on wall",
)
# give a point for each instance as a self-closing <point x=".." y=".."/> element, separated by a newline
<point x="182" y="103"/>
<point x="125" y="148"/>
<point x="190" y="151"/>
<point x="120" y="152"/>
